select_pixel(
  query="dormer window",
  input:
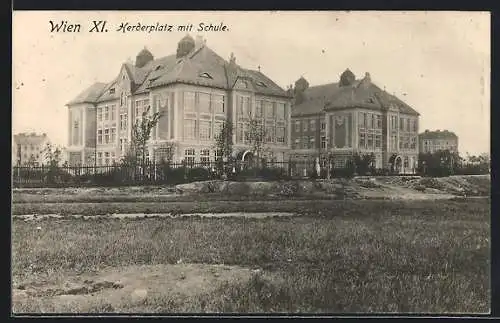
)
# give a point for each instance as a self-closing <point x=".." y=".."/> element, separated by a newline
<point x="153" y="79"/>
<point x="261" y="84"/>
<point x="206" y="75"/>
<point x="158" y="67"/>
<point x="112" y="91"/>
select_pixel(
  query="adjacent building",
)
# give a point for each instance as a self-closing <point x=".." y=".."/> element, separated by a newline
<point x="432" y="141"/>
<point x="196" y="90"/>
<point x="27" y="149"/>
<point x="353" y="116"/>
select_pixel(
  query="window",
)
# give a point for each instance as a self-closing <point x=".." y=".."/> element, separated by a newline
<point x="218" y="103"/>
<point x="401" y="143"/>
<point x="218" y="128"/>
<point x="205" y="130"/>
<point x="394" y="142"/>
<point x="304" y="126"/>
<point x="269" y="110"/>
<point x="312" y="125"/>
<point x="106" y="158"/>
<point x="106" y="136"/>
<point x="297" y="126"/>
<point x="296" y="144"/>
<point x="401" y="123"/>
<point x="280" y="135"/>
<point x="415" y="126"/>
<point x="304" y="142"/>
<point x="241" y="132"/>
<point x="189" y="129"/>
<point x="258" y="108"/>
<point x="269" y="134"/>
<point x="189" y="156"/>
<point x="243" y="107"/>
<point x="189" y="101"/>
<point x="138" y="109"/>
<point x="378" y="141"/>
<point x="112" y="112"/>
<point x="406" y="163"/>
<point x="312" y="143"/>
<point x="112" y="90"/>
<point x="323" y="125"/>
<point x="106" y="113"/>
<point x="113" y="135"/>
<point x="218" y="154"/>
<point x="205" y="75"/>
<point x="205" y="157"/>
<point x="379" y="122"/>
<point x="99" y="158"/>
<point x="323" y="142"/>
<point x="99" y="136"/>
<point x="280" y="111"/>
<point x="260" y="83"/>
<point x="362" y="140"/>
<point x="204" y="102"/>
<point x="413" y="144"/>
<point x="361" y="116"/>
<point x="370" y="141"/>
<point x="372" y="125"/>
<point x="408" y="128"/>
<point x="76" y="128"/>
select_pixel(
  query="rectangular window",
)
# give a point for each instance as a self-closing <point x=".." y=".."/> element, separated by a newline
<point x="145" y="104"/>
<point x="205" y="157"/>
<point x="99" y="136"/>
<point x="204" y="102"/>
<point x="378" y="141"/>
<point x="280" y="111"/>
<point x="269" y="110"/>
<point x="304" y="142"/>
<point x="189" y="101"/>
<point x="218" y="103"/>
<point x="372" y="121"/>
<point x="297" y="126"/>
<point x="243" y="107"/>
<point x="99" y="114"/>
<point x="189" y="129"/>
<point x="323" y="142"/>
<point x="323" y="125"/>
<point x="362" y="140"/>
<point x="408" y="128"/>
<point x="413" y="143"/>
<point x="218" y="128"/>
<point x="312" y="125"/>
<point x="218" y="154"/>
<point x="122" y="127"/>
<point x="99" y="158"/>
<point x="379" y="122"/>
<point x="106" y="136"/>
<point x="106" y="113"/>
<point x="312" y="143"/>
<point x="112" y="112"/>
<point x="401" y="123"/>
<point x="361" y="117"/>
<point x="280" y="135"/>
<point x="189" y="156"/>
<point x="113" y="135"/>
<point x="296" y="144"/>
<point x="106" y="158"/>
<point x="304" y="126"/>
<point x="415" y="125"/>
<point x="370" y="141"/>
<point x="205" y="130"/>
<point x="258" y="108"/>
<point x="401" y="143"/>
<point x="269" y="134"/>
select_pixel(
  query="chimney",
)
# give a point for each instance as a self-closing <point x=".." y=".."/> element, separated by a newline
<point x="199" y="42"/>
<point x="232" y="60"/>
<point x="368" y="77"/>
<point x="426" y="130"/>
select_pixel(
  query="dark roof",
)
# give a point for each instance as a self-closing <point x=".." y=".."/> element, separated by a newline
<point x="361" y="94"/>
<point x="28" y="138"/>
<point x="200" y="67"/>
<point x="445" y="134"/>
<point x="90" y="95"/>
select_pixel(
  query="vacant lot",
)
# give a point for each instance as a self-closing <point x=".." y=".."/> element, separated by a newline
<point x="335" y="256"/>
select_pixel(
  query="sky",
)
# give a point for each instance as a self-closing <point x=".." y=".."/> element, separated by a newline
<point x="437" y="62"/>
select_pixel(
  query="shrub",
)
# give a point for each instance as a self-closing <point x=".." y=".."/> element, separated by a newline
<point x="198" y="174"/>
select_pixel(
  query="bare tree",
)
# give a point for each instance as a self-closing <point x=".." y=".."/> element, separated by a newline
<point x="256" y="136"/>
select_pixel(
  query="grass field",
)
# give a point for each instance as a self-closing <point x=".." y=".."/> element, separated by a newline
<point x="338" y="256"/>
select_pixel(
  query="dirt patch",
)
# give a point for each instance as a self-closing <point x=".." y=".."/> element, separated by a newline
<point x="124" y="288"/>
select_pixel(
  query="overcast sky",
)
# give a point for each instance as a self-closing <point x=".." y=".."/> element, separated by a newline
<point x="438" y="62"/>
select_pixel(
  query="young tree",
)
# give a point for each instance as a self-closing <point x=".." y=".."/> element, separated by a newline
<point x="53" y="158"/>
<point x="141" y="133"/>
<point x="256" y="137"/>
<point x="224" y="140"/>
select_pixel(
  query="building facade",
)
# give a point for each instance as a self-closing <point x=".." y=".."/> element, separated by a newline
<point x="195" y="90"/>
<point x="353" y="116"/>
<point x="432" y="141"/>
<point x="27" y="149"/>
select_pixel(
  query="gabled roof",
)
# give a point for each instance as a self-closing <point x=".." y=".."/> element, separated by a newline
<point x="361" y="94"/>
<point x="201" y="67"/>
<point x="445" y="134"/>
<point x="90" y="95"/>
